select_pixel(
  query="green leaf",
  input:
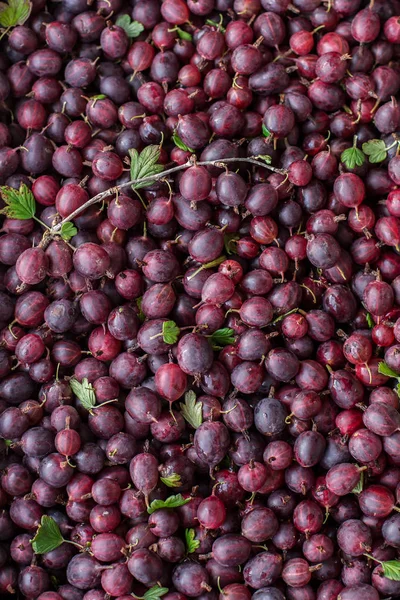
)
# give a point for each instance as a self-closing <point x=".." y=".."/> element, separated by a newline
<point x="172" y="481"/>
<point x="230" y="240"/>
<point x="171" y="502"/>
<point x="352" y="157"/>
<point x="184" y="35"/>
<point x="144" y="164"/>
<point x="170" y="332"/>
<point x="131" y="28"/>
<point x="155" y="592"/>
<point x="391" y="569"/>
<point x="16" y="12"/>
<point x="48" y="536"/>
<point x="397" y="389"/>
<point x="383" y="369"/>
<point x="178" y="142"/>
<point x="376" y="150"/>
<point x="191" y="410"/>
<point x="370" y="320"/>
<point x="20" y="203"/>
<point x="141" y="315"/>
<point x="265" y="157"/>
<point x="266" y="132"/>
<point x="360" y="485"/>
<point x="191" y="543"/>
<point x="98" y="97"/>
<point x="68" y="230"/>
<point x="222" y="337"/>
<point x="85" y="392"/>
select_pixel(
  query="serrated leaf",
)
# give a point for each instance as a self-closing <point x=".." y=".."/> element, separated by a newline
<point x="170" y="332"/>
<point x="191" y="410"/>
<point x="16" y="12"/>
<point x="155" y="592"/>
<point x="391" y="569"/>
<point x="180" y="144"/>
<point x="141" y="315"/>
<point x="144" y="165"/>
<point x="384" y="369"/>
<point x="132" y="28"/>
<point x="370" y="320"/>
<point x="172" y="481"/>
<point x="191" y="543"/>
<point x="352" y="157"/>
<point x="266" y="132"/>
<point x="48" y="536"/>
<point x="375" y="150"/>
<point x="20" y="204"/>
<point x="171" y="502"/>
<point x="222" y="337"/>
<point x="229" y="242"/>
<point x="360" y="485"/>
<point x="85" y="392"/>
<point x="68" y="230"/>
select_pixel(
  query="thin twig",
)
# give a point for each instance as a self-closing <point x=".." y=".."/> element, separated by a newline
<point x="114" y="190"/>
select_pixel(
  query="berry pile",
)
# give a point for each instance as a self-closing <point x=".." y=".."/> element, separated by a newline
<point x="200" y="299"/>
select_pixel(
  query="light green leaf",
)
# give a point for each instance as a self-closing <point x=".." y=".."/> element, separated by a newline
<point x="155" y="592"/>
<point x="370" y="320"/>
<point x="170" y="332"/>
<point x="16" y="12"/>
<point x="180" y="144"/>
<point x="383" y="369"/>
<point x="131" y="28"/>
<point x="20" y="203"/>
<point x="266" y="132"/>
<point x="191" y="543"/>
<point x="222" y="337"/>
<point x="352" y="157"/>
<point x="265" y="157"/>
<point x="184" y="35"/>
<point x="68" y="230"/>
<point x="144" y="164"/>
<point x="172" y="481"/>
<point x="85" y="392"/>
<point x="48" y="536"/>
<point x="191" y="410"/>
<point x="391" y="569"/>
<point x="360" y="485"/>
<point x="171" y="502"/>
<point x="98" y="97"/>
<point x="376" y="150"/>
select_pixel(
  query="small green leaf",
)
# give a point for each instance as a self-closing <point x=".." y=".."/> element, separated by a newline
<point x="352" y="157"/>
<point x="191" y="410"/>
<point x="170" y="332"/>
<point x="265" y="157"/>
<point x="48" y="536"/>
<point x="360" y="485"/>
<point x="191" y="543"/>
<point x="266" y="132"/>
<point x="397" y="389"/>
<point x="155" y="592"/>
<point x="171" y="502"/>
<point x="85" y="392"/>
<point x="376" y="150"/>
<point x="98" y="97"/>
<point x="16" y="12"/>
<point x="383" y="369"/>
<point x="230" y="240"/>
<point x="172" y="481"/>
<point x="131" y="28"/>
<point x="184" y="35"/>
<point x="144" y="165"/>
<point x="178" y="142"/>
<point x="20" y="204"/>
<point x="370" y="320"/>
<point x="222" y="337"/>
<point x="391" y="569"/>
<point x="68" y="230"/>
<point x="141" y="315"/>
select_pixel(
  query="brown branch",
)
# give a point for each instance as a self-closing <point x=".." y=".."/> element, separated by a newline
<point x="113" y="190"/>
